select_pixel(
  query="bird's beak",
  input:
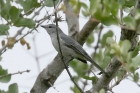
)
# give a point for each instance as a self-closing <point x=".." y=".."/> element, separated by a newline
<point x="43" y="26"/>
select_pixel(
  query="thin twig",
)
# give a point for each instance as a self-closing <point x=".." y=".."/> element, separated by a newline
<point x="52" y="86"/>
<point x="62" y="54"/>
<point x="19" y="72"/>
<point x="99" y="35"/>
<point x="36" y="55"/>
<point x="96" y="47"/>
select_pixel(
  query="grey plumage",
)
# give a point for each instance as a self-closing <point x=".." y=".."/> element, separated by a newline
<point x="69" y="46"/>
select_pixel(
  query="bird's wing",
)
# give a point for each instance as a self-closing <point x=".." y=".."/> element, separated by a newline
<point x="70" y="42"/>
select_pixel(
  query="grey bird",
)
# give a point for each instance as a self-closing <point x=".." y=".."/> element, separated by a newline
<point x="69" y="47"/>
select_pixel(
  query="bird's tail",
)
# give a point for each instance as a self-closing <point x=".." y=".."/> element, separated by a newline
<point x="96" y="65"/>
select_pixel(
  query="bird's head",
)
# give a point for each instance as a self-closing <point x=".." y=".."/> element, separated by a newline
<point x="51" y="28"/>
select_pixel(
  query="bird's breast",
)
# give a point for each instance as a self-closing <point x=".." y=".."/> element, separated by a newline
<point x="66" y="51"/>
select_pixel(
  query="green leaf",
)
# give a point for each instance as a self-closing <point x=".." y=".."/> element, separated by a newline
<point x="84" y="5"/>
<point x="105" y="36"/>
<point x="99" y="57"/>
<point x="109" y="40"/>
<point x="102" y="91"/>
<point x="94" y="78"/>
<point x="13" y="88"/>
<point x="130" y="21"/>
<point x="112" y="51"/>
<point x="77" y="7"/>
<point x="49" y="3"/>
<point x="98" y="14"/>
<point x="90" y="40"/>
<point x="95" y="6"/>
<point x="109" y="20"/>
<point x="25" y="22"/>
<point x="136" y="77"/>
<point x="135" y="52"/>
<point x="73" y="2"/>
<point x="76" y="78"/>
<point x="75" y="89"/>
<point x="89" y="78"/>
<point x="115" y="6"/>
<point x="2" y="91"/>
<point x="125" y="46"/>
<point x="28" y="4"/>
<point x="80" y="71"/>
<point x="4" y="72"/>
<point x="107" y="7"/>
<point x="14" y="13"/>
<point x="132" y="69"/>
<point x="1" y="3"/>
<point x="106" y="61"/>
<point x="107" y="52"/>
<point x="86" y="12"/>
<point x="5" y="10"/>
<point x="115" y="48"/>
<point x="122" y="2"/>
<point x="129" y="3"/>
<point x="73" y="63"/>
<point x="137" y="15"/>
<point x="3" y="29"/>
<point x="135" y="62"/>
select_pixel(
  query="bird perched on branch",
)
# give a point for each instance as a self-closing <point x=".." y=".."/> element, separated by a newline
<point x="69" y="47"/>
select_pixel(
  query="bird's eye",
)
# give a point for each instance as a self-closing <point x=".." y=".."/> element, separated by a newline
<point x="50" y="26"/>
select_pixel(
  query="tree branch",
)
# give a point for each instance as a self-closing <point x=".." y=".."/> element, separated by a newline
<point x="87" y="30"/>
<point x="72" y="19"/>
